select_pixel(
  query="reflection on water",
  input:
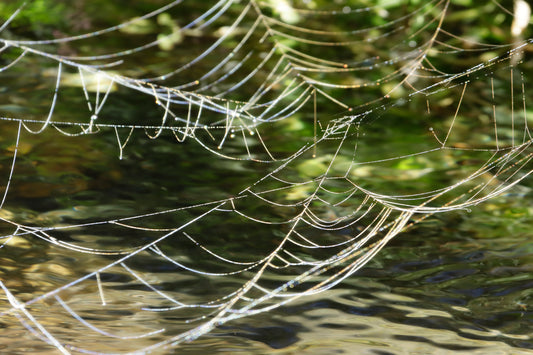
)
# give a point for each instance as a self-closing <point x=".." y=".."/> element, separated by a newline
<point x="457" y="283"/>
<point x="465" y="295"/>
<point x="474" y="301"/>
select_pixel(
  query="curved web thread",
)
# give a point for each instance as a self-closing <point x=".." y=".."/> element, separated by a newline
<point x="319" y="212"/>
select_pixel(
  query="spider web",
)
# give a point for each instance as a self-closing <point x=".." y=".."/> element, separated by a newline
<point x="299" y="102"/>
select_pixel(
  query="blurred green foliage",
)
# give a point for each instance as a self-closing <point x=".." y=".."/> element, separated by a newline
<point x="37" y="14"/>
<point x="45" y="17"/>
